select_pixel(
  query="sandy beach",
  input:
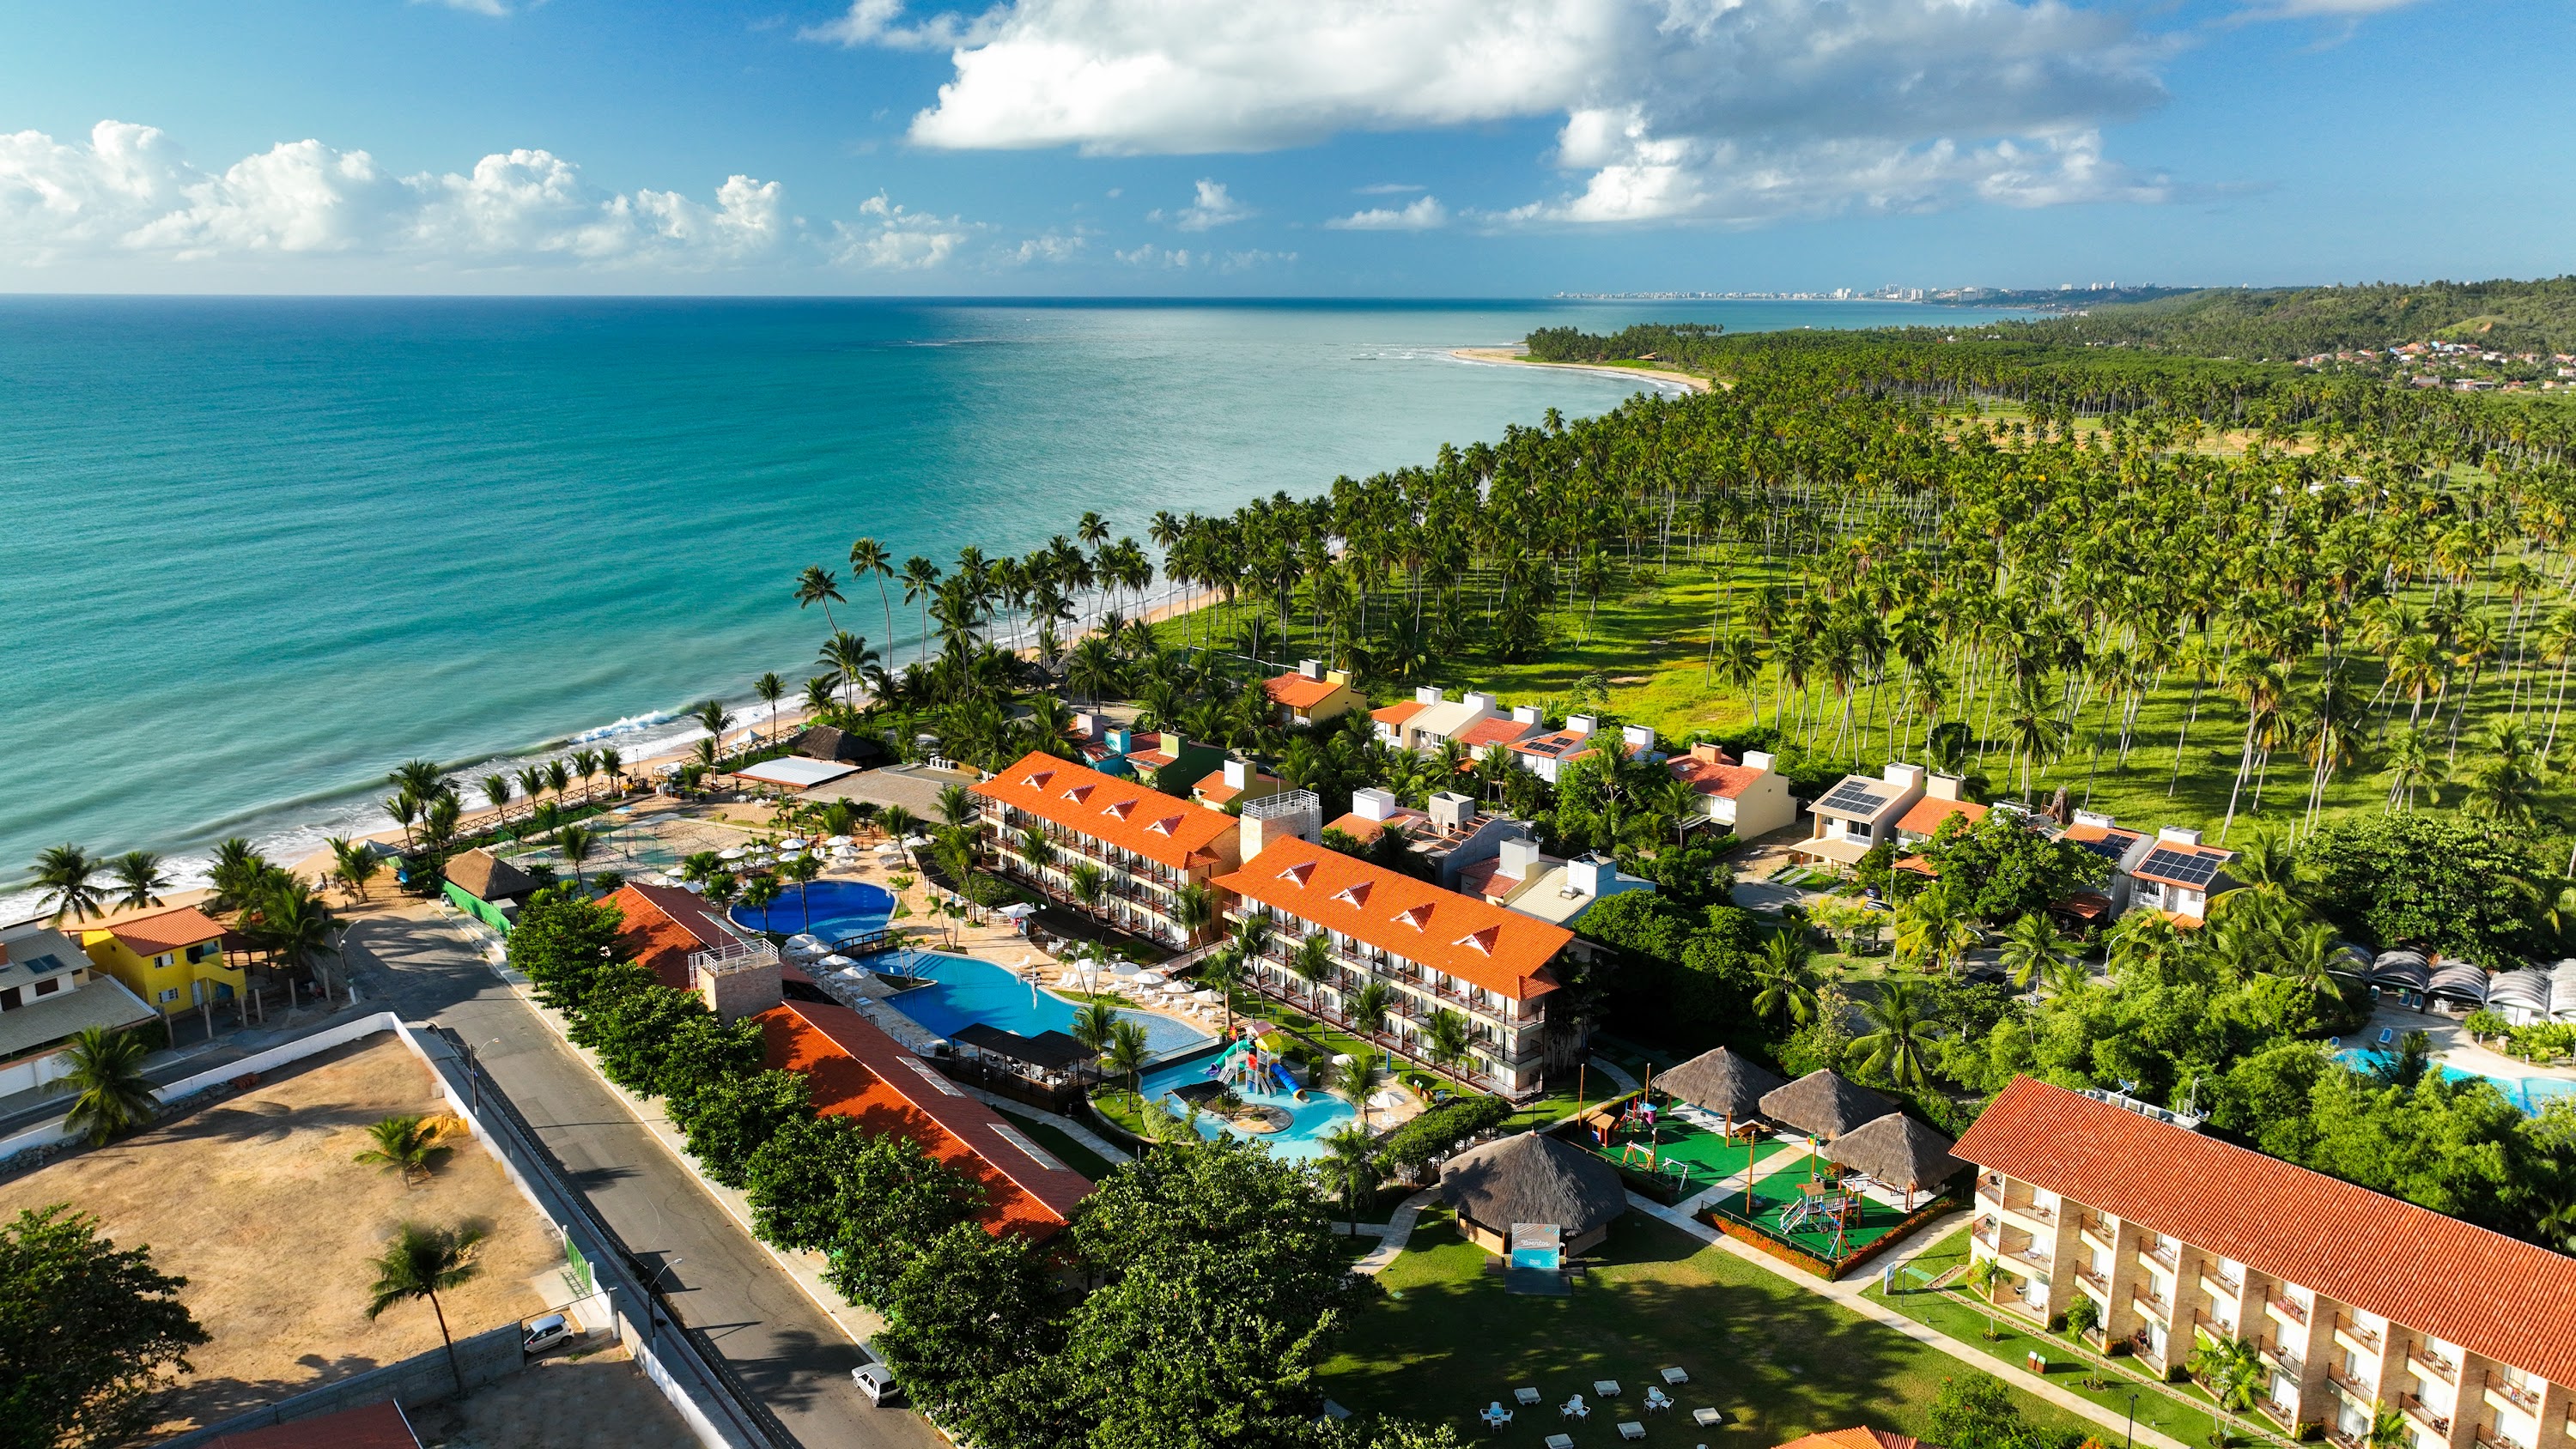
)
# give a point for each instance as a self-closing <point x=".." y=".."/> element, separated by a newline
<point x="1506" y="357"/>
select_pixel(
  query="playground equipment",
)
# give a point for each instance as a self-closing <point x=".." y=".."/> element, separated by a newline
<point x="1246" y="1065"/>
<point x="1824" y="1207"/>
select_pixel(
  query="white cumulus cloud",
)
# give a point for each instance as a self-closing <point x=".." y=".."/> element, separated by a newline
<point x="1212" y="207"/>
<point x="1424" y="214"/>
<point x="1717" y="110"/>
<point x="890" y="238"/>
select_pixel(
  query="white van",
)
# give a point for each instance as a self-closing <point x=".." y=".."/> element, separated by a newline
<point x="877" y="1382"/>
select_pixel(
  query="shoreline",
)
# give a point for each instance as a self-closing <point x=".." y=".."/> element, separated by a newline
<point x="1505" y="357"/>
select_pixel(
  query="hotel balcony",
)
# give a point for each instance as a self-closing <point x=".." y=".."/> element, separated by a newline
<point x="2218" y="1284"/>
<point x="2164" y="1255"/>
<point x="2346" y="1387"/>
<point x="2505" y="1394"/>
<point x="2090" y="1279"/>
<point x="2218" y="1328"/>
<point x="2100" y="1234"/>
<point x="2281" y="1358"/>
<point x="2157" y="1308"/>
<point x="2353" y="1335"/>
<point x="2489" y="1437"/>
<point x="2285" y="1415"/>
<point x="2431" y="1363"/>
<point x="2287" y="1308"/>
<point x="2414" y="1408"/>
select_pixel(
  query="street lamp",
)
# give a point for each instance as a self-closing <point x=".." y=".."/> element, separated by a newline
<point x="652" y="1300"/>
<point x="474" y="1075"/>
<point x="2133" y="1421"/>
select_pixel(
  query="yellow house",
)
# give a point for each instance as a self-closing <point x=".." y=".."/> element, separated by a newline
<point x="173" y="959"/>
<point x="1312" y="695"/>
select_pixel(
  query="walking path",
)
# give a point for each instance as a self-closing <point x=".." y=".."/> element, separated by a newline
<point x="1615" y="1072"/>
<point x="1056" y="1120"/>
<point x="1852" y="1295"/>
<point x="1394" y="1232"/>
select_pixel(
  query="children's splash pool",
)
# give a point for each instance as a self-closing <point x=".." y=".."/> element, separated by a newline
<point x="1308" y="1122"/>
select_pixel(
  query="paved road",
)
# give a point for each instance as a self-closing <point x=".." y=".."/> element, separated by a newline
<point x="775" y="1339"/>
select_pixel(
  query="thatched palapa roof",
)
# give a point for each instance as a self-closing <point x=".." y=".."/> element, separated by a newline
<point x="1822" y="1104"/>
<point x="827" y="742"/>
<point x="487" y="877"/>
<point x="1898" y="1151"/>
<point x="1533" y="1178"/>
<point x="1722" y="1082"/>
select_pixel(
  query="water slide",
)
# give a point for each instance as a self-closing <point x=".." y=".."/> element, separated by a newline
<point x="1233" y="1054"/>
<point x="1287" y="1083"/>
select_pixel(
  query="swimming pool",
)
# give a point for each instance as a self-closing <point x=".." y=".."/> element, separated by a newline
<point x="832" y="909"/>
<point x="963" y="991"/>
<point x="1309" y="1122"/>
<point x="2531" y="1094"/>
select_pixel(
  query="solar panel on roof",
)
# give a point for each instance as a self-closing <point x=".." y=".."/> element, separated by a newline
<point x="1850" y="796"/>
<point x="2183" y="866"/>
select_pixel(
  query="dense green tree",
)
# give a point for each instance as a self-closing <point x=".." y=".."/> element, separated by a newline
<point x="562" y="943"/>
<point x="2426" y="880"/>
<point x="974" y="1326"/>
<point x="86" y="1329"/>
<point x="731" y="1116"/>
<point x="1999" y="870"/>
<point x="866" y="1201"/>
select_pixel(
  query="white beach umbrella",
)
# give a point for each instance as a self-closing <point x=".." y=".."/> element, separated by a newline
<point x="805" y="945"/>
<point x="836" y="960"/>
<point x="1129" y="970"/>
<point x="793" y="842"/>
<point x="736" y="853"/>
<point x="1151" y="978"/>
<point x="1177" y="988"/>
<point x="837" y="842"/>
<point x="787" y="856"/>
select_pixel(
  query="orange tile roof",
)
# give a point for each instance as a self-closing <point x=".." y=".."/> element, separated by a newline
<point x="1862" y="1437"/>
<point x="1297" y="691"/>
<point x="1724" y="779"/>
<point x="1928" y="813"/>
<point x="2494" y="1295"/>
<point x="1396" y="714"/>
<point x="377" y="1426"/>
<point x="1500" y="730"/>
<point x="665" y="926"/>
<point x="1499" y="950"/>
<point x="1159" y="827"/>
<point x="167" y="930"/>
<point x="858" y="1071"/>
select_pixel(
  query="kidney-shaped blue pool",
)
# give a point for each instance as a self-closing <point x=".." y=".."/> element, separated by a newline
<point x="1310" y="1121"/>
<point x="832" y="909"/>
<point x="963" y="991"/>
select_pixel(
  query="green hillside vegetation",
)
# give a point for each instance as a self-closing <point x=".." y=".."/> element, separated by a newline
<point x="2280" y="323"/>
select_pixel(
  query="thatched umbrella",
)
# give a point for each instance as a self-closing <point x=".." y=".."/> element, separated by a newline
<point x="1897" y="1150"/>
<point x="1532" y="1178"/>
<point x="1722" y="1082"/>
<point x="1822" y="1105"/>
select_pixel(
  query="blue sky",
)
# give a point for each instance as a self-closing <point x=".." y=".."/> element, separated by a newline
<point x="1332" y="147"/>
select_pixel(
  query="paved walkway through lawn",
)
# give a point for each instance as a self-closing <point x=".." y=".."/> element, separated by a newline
<point x="1392" y="1235"/>
<point x="1851" y="1294"/>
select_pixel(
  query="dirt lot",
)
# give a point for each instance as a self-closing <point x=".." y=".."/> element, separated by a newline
<point x="596" y="1402"/>
<point x="256" y="1202"/>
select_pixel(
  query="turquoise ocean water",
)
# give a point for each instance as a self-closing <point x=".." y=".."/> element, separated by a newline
<point x="254" y="552"/>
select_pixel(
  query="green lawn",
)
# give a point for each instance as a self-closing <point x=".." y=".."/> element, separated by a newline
<point x="1445" y="1341"/>
<point x="1963" y="1316"/>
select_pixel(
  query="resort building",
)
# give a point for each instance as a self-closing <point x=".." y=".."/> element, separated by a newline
<point x="486" y="887"/>
<point x="1236" y="782"/>
<point x="1434" y="950"/>
<point x="1546" y="755"/>
<point x="1167" y="759"/>
<point x="1941" y="803"/>
<point x="1312" y="694"/>
<point x="2353" y="1299"/>
<point x="1531" y="1179"/>
<point x="1563" y="890"/>
<point x="665" y="926"/>
<point x="1496" y="736"/>
<point x="855" y="1070"/>
<point x="50" y="993"/>
<point x="1448" y="839"/>
<point x="2175" y="874"/>
<point x="1859" y="812"/>
<point x="1147" y="845"/>
<point x="1422" y="722"/>
<point x="1863" y="1437"/>
<point x="1748" y="797"/>
<point x="173" y="959"/>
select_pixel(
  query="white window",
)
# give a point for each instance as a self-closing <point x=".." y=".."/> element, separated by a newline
<point x="168" y="995"/>
<point x="164" y="959"/>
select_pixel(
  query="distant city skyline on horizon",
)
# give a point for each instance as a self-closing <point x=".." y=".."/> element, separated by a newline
<point x="1458" y="148"/>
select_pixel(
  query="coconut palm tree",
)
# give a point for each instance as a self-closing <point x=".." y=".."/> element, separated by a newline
<point x="1125" y="1055"/>
<point x="1353" y="1155"/>
<point x="1359" y="1077"/>
<point x="1931" y="931"/>
<point x="817" y="585"/>
<point x="869" y="559"/>
<point x="715" y="719"/>
<point x="1093" y="1022"/>
<point x="898" y="824"/>
<point x="613" y="765"/>
<point x="850" y="657"/>
<point x="1222" y="971"/>
<point x="1788" y="984"/>
<point x="105" y="1075"/>
<point x="295" y="928"/>
<point x="802" y="871"/>
<point x="418" y="1264"/>
<point x="577" y="843"/>
<point x="1193" y="907"/>
<point x="139" y="879"/>
<point x="957" y="806"/>
<point x="769" y="689"/>
<point x="1448" y="1039"/>
<point x="69" y="874"/>
<point x="2230" y="1369"/>
<point x="409" y="1145"/>
<point x="1899" y="1040"/>
<point x="1088" y="884"/>
<point x="355" y="863"/>
<point x="2033" y="949"/>
<point x="496" y="793"/>
<point x="1314" y="963"/>
<point x="1367" y="1007"/>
